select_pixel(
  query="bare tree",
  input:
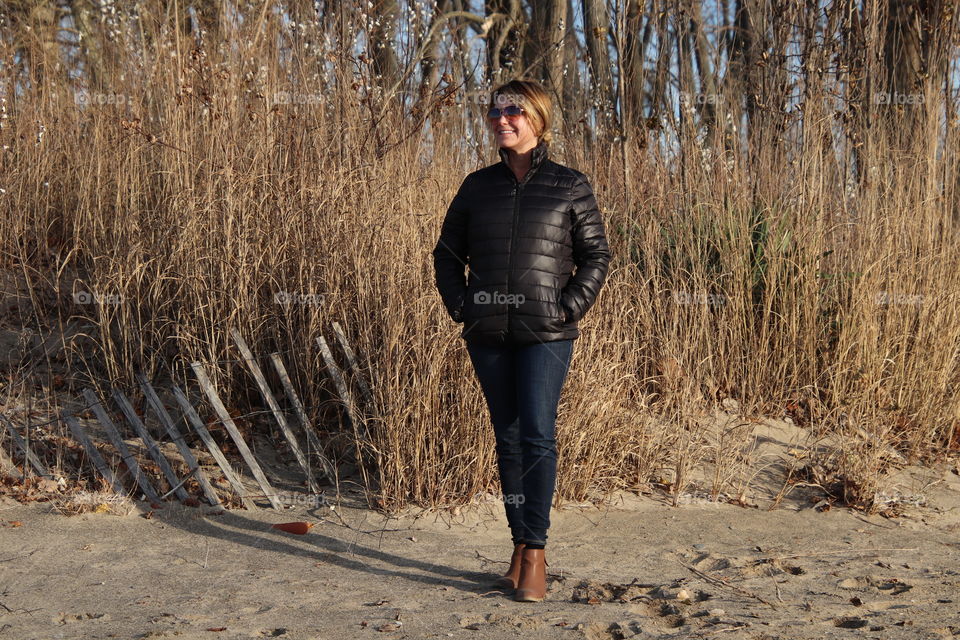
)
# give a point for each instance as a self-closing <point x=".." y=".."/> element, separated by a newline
<point x="544" y="53"/>
<point x="39" y="54"/>
<point x="382" y="34"/>
<point x="596" y="26"/>
<point x="506" y="38"/>
<point x="637" y="35"/>
<point x="915" y="58"/>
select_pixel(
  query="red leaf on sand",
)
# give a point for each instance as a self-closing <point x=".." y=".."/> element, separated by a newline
<point x="299" y="528"/>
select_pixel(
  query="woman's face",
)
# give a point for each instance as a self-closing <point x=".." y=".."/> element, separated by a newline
<point x="512" y="132"/>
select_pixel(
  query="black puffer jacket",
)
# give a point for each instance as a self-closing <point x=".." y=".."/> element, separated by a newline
<point x="521" y="241"/>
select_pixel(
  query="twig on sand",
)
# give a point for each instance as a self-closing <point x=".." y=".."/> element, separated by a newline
<point x="735" y="627"/>
<point x="26" y="555"/>
<point x="484" y="559"/>
<point x="182" y="482"/>
<point x="721" y="583"/>
<point x="829" y="553"/>
<point x="876" y="524"/>
<point x="343" y="523"/>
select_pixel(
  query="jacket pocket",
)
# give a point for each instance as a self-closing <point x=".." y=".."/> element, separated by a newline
<point x="559" y="310"/>
<point x="466" y="311"/>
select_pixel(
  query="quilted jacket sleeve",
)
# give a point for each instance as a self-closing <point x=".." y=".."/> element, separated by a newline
<point x="450" y="255"/>
<point x="590" y="253"/>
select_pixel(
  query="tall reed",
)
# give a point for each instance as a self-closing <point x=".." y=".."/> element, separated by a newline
<point x="219" y="189"/>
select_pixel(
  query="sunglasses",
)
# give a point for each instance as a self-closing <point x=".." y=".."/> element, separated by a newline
<point x="511" y="111"/>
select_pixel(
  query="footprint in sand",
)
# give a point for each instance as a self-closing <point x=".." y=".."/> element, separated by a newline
<point x="893" y="586"/>
<point x="68" y="618"/>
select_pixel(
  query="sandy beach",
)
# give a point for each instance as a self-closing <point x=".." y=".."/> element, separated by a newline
<point x="316" y="264"/>
<point x="635" y="567"/>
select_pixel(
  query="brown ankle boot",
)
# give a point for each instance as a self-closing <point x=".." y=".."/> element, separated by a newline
<point x="510" y="578"/>
<point x="532" y="586"/>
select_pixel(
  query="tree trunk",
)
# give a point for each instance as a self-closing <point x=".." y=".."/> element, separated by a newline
<point x="505" y="39"/>
<point x="383" y="43"/>
<point x="596" y="33"/>
<point x="634" y="89"/>
<point x="545" y="49"/>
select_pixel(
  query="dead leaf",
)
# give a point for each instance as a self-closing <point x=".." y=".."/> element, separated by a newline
<point x="378" y="603"/>
<point x="48" y="485"/>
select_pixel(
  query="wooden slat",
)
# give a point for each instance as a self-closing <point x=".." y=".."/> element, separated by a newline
<point x="328" y="469"/>
<point x="98" y="462"/>
<point x="352" y="361"/>
<point x="29" y="455"/>
<point x="7" y="467"/>
<point x="161" y="412"/>
<point x="213" y="448"/>
<point x="271" y="401"/>
<point x="152" y="447"/>
<point x="248" y="456"/>
<point x="114" y="435"/>
<point x="342" y="389"/>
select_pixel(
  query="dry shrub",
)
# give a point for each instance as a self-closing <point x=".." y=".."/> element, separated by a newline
<point x="197" y="202"/>
<point x="94" y="502"/>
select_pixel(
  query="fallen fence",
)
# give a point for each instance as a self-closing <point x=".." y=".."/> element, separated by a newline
<point x="133" y="426"/>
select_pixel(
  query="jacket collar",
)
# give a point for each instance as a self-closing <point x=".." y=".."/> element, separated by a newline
<point x="538" y="155"/>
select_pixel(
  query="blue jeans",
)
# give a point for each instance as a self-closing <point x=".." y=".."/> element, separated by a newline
<point x="522" y="386"/>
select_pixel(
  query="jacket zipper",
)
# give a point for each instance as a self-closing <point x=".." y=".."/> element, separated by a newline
<point x="517" y="188"/>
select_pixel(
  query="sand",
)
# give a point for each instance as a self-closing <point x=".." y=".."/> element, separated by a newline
<point x="635" y="567"/>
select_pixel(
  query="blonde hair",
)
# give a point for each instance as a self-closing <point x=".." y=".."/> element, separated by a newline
<point x="535" y="101"/>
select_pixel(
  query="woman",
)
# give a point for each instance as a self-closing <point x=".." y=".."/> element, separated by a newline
<point x="521" y="226"/>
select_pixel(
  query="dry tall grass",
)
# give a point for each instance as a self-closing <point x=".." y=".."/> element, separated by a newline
<point x="200" y="197"/>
